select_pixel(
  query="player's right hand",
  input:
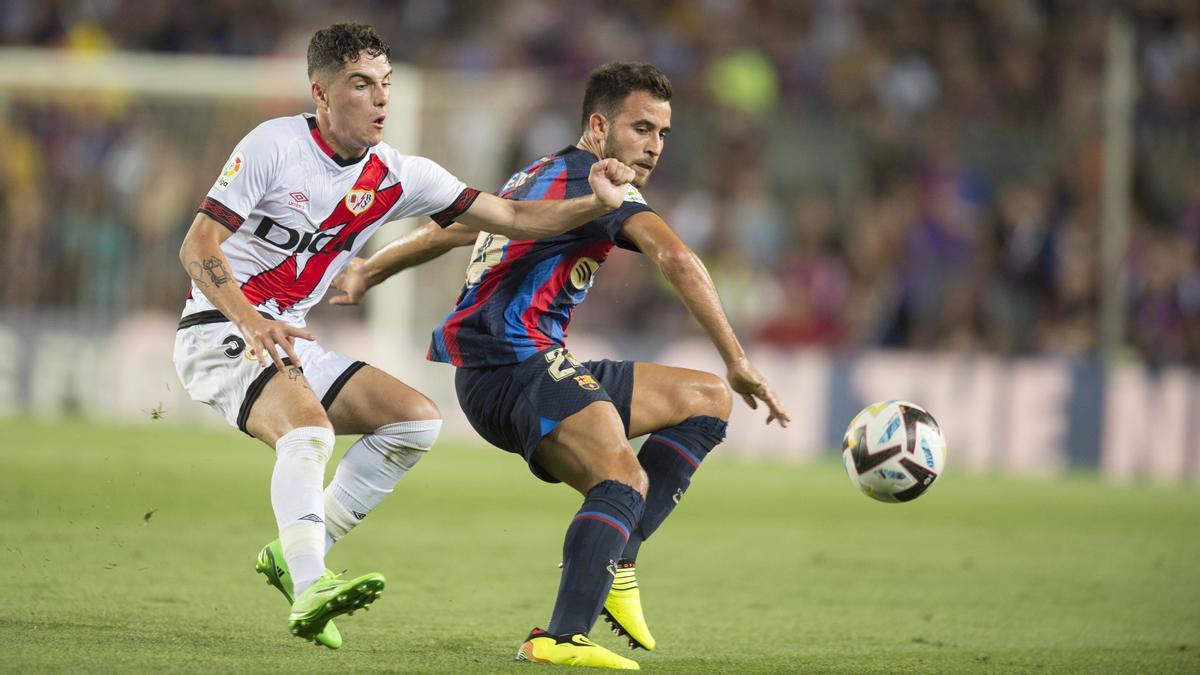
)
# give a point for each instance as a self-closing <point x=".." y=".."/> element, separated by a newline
<point x="263" y="335"/>
<point x="745" y="379"/>
<point x="610" y="179"/>
<point x="352" y="281"/>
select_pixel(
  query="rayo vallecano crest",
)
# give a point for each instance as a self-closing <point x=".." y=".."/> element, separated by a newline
<point x="359" y="200"/>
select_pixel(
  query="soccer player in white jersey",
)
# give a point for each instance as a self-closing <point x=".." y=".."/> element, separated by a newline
<point x="297" y="198"/>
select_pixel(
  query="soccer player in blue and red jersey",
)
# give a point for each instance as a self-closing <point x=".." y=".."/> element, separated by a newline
<point x="524" y="392"/>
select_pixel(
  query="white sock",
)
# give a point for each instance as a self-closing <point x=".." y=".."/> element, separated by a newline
<point x="371" y="469"/>
<point x="300" y="458"/>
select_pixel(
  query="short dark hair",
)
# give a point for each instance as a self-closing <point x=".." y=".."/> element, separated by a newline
<point x="609" y="84"/>
<point x="335" y="46"/>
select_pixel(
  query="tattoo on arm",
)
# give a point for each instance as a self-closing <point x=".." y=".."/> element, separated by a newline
<point x="213" y="268"/>
<point x="196" y="272"/>
<point x="216" y="271"/>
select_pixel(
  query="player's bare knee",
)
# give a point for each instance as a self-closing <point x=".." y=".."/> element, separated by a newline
<point x="284" y="419"/>
<point x="709" y="395"/>
<point x="621" y="465"/>
<point x="423" y="409"/>
<point x="271" y="430"/>
<point x="632" y="474"/>
<point x="723" y="398"/>
<point x="640" y="482"/>
<point x="309" y="416"/>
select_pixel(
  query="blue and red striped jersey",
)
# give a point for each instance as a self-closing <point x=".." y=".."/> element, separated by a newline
<point x="519" y="295"/>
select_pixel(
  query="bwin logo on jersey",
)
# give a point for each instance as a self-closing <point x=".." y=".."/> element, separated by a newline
<point x="583" y="273"/>
<point x="359" y="200"/>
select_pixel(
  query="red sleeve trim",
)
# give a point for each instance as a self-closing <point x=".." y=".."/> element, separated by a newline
<point x="221" y="213"/>
<point x="459" y="206"/>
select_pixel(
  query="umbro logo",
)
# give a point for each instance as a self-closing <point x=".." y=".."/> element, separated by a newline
<point x="358" y="515"/>
<point x="677" y="496"/>
<point x="298" y="201"/>
<point x="312" y="517"/>
<point x="612" y="568"/>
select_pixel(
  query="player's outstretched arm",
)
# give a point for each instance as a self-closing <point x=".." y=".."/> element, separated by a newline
<point x="532" y="219"/>
<point x="418" y="246"/>
<point x="690" y="279"/>
<point x="204" y="262"/>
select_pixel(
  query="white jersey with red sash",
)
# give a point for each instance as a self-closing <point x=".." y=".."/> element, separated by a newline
<point x="299" y="212"/>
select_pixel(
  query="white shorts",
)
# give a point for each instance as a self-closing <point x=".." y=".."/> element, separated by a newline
<point x="215" y="367"/>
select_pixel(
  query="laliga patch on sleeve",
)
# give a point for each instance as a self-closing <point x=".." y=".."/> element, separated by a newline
<point x="230" y="172"/>
<point x="632" y="194"/>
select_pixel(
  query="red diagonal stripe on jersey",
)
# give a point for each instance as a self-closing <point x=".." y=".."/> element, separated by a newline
<point x="558" y="188"/>
<point x="487" y="286"/>
<point x="284" y="284"/>
<point x="544" y="296"/>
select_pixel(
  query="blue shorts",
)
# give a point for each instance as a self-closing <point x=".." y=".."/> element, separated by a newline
<point x="514" y="406"/>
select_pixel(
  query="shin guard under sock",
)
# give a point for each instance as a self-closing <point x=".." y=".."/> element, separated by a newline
<point x="593" y="544"/>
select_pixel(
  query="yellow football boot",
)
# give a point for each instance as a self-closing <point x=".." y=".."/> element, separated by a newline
<point x="623" y="609"/>
<point x="570" y="650"/>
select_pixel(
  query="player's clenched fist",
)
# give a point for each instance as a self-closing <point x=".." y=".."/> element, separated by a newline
<point x="609" y="179"/>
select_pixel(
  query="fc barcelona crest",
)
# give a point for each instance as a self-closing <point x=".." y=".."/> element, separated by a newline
<point x="359" y="200"/>
<point x="587" y="382"/>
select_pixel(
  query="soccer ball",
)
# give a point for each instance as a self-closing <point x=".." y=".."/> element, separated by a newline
<point x="893" y="451"/>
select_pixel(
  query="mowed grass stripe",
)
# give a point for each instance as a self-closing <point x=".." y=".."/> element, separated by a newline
<point x="132" y="549"/>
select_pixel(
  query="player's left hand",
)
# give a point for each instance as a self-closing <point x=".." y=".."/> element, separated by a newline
<point x="610" y="179"/>
<point x="745" y="379"/>
<point x="352" y="280"/>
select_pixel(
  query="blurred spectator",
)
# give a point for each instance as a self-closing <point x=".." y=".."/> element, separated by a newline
<point x="963" y="139"/>
<point x="813" y="279"/>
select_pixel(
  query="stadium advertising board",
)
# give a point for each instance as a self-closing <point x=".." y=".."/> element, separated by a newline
<point x="1026" y="416"/>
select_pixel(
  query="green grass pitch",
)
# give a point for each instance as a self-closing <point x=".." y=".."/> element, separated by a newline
<point x="132" y="550"/>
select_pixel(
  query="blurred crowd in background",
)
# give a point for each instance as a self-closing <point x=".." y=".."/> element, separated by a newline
<point x="914" y="173"/>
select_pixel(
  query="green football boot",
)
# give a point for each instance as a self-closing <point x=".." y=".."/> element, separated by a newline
<point x="331" y="596"/>
<point x="272" y="565"/>
<point x="623" y="609"/>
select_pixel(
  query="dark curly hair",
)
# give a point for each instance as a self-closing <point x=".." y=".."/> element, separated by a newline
<point x="335" y="46"/>
<point x="609" y="84"/>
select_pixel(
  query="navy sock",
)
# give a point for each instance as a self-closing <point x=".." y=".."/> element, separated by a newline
<point x="593" y="543"/>
<point x="670" y="456"/>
